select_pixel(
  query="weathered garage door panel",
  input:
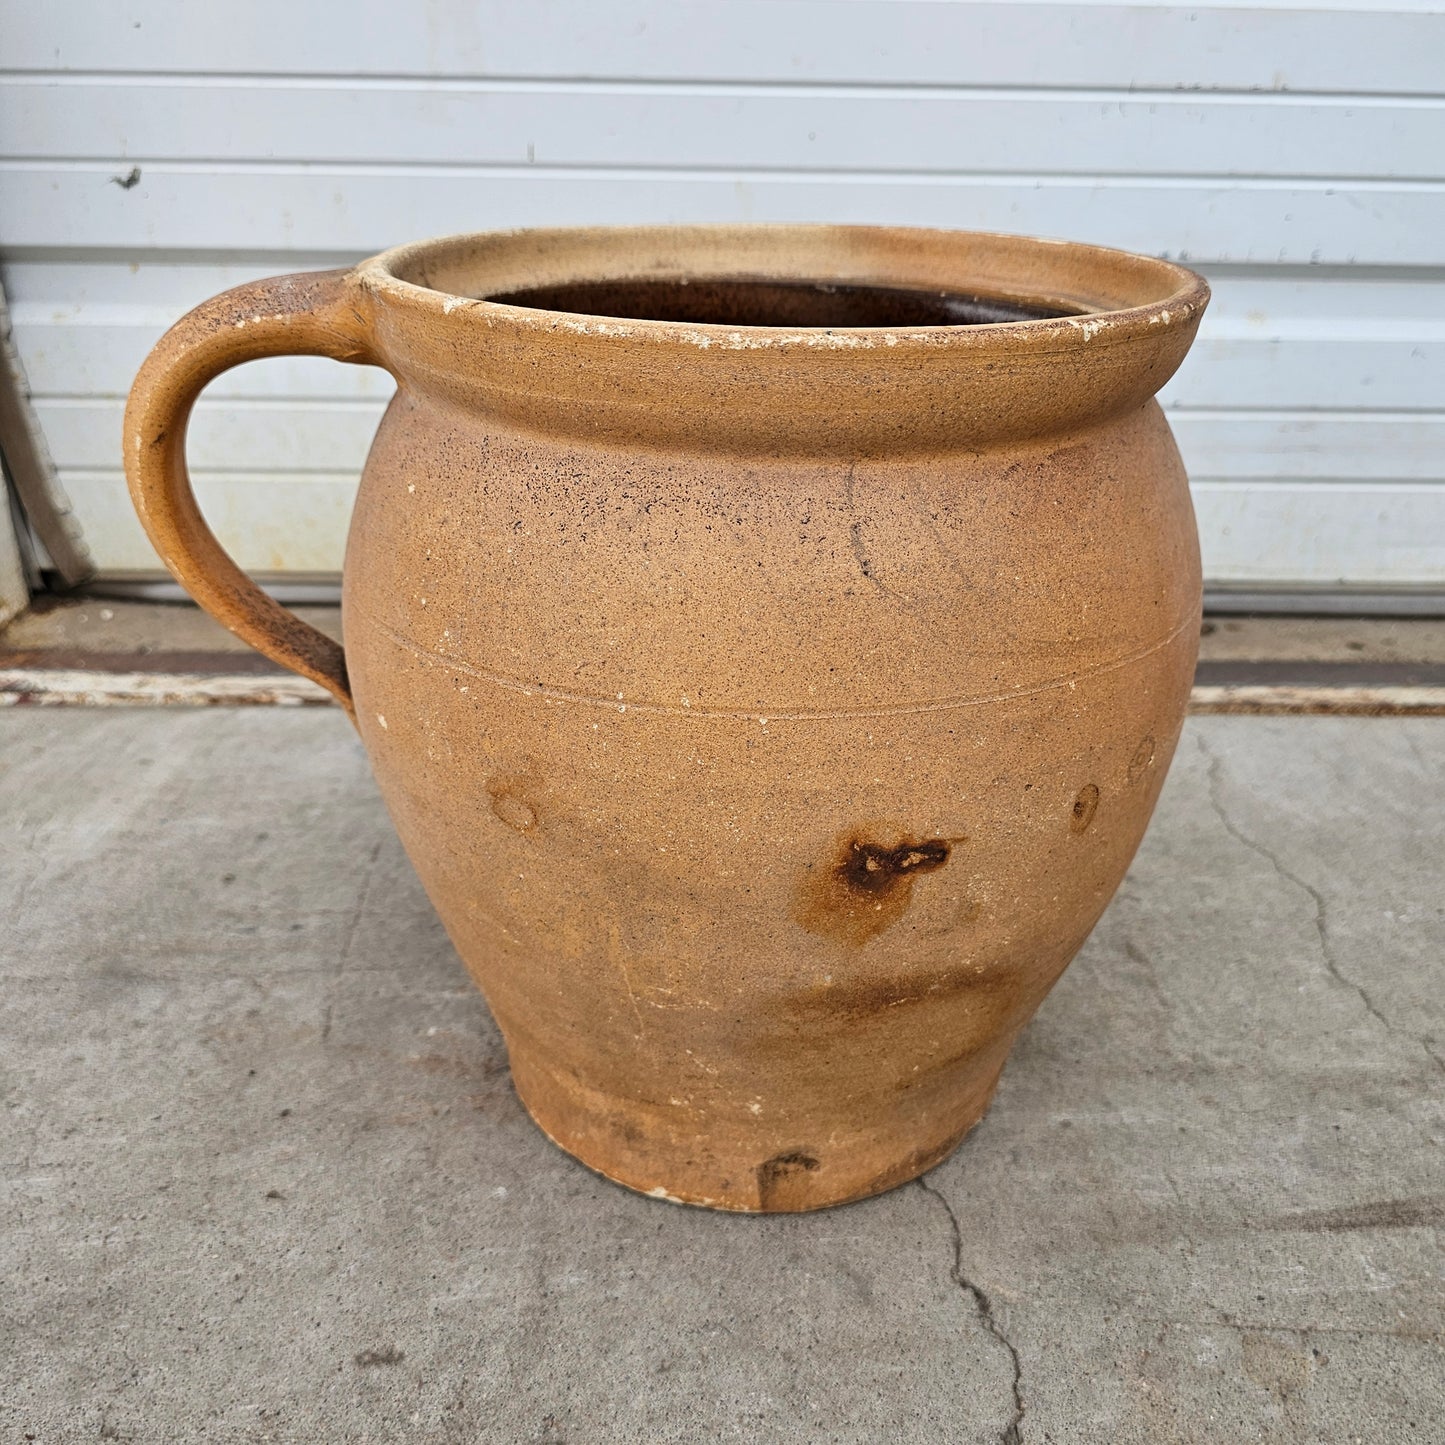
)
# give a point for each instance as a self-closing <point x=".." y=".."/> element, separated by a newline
<point x="279" y="207"/>
<point x="1293" y="155"/>
<point x="1364" y="49"/>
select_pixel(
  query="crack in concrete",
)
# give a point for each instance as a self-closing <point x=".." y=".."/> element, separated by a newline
<point x="1321" y="908"/>
<point x="1013" y="1431"/>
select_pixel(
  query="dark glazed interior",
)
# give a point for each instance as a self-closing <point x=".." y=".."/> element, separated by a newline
<point x="760" y="301"/>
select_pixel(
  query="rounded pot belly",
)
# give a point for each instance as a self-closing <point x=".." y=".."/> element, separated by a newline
<point x="766" y="799"/>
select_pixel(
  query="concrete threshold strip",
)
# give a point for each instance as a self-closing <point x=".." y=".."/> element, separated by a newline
<point x="1292" y="700"/>
<point x="1341" y="695"/>
<point x="55" y="686"/>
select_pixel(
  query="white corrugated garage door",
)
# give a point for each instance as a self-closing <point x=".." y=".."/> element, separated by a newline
<point x="156" y="152"/>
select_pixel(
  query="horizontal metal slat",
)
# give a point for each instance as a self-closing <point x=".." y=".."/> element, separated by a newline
<point x="1150" y="46"/>
<point x="270" y="523"/>
<point x="320" y="209"/>
<point x="945" y="131"/>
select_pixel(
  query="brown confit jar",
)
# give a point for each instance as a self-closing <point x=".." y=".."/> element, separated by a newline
<point x="769" y="641"/>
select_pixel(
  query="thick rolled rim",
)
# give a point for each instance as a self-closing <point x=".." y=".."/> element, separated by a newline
<point x="1117" y="295"/>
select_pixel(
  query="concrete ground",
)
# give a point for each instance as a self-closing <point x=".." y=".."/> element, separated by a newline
<point x="266" y="1180"/>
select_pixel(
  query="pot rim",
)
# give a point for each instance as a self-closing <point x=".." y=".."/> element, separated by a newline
<point x="1119" y="295"/>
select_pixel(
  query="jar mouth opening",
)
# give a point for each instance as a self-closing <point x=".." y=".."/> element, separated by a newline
<point x="774" y="302"/>
<point x="828" y="286"/>
<point x="780" y="340"/>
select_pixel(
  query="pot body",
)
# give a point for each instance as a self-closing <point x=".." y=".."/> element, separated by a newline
<point x="770" y="718"/>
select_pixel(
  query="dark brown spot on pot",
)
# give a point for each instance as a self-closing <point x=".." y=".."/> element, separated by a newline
<point x="865" y="886"/>
<point x="1085" y="806"/>
<point x="783" y="1181"/>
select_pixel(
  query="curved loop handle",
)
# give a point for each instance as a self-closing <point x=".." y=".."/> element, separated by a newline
<point x="317" y="313"/>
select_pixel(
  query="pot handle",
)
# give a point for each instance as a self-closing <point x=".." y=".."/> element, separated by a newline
<point x="315" y="313"/>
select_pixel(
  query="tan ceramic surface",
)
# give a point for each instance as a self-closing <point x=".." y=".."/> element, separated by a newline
<point x="770" y="713"/>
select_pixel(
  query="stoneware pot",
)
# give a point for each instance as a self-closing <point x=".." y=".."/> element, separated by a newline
<point x="769" y="641"/>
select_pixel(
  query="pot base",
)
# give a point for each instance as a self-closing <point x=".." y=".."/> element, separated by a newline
<point x="672" y="1156"/>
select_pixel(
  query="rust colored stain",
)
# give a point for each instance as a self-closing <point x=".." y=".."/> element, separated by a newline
<point x="866" y="887"/>
<point x="1085" y="806"/>
<point x="783" y="1181"/>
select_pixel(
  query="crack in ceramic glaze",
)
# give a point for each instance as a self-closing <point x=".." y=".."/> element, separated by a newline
<point x="762" y="713"/>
